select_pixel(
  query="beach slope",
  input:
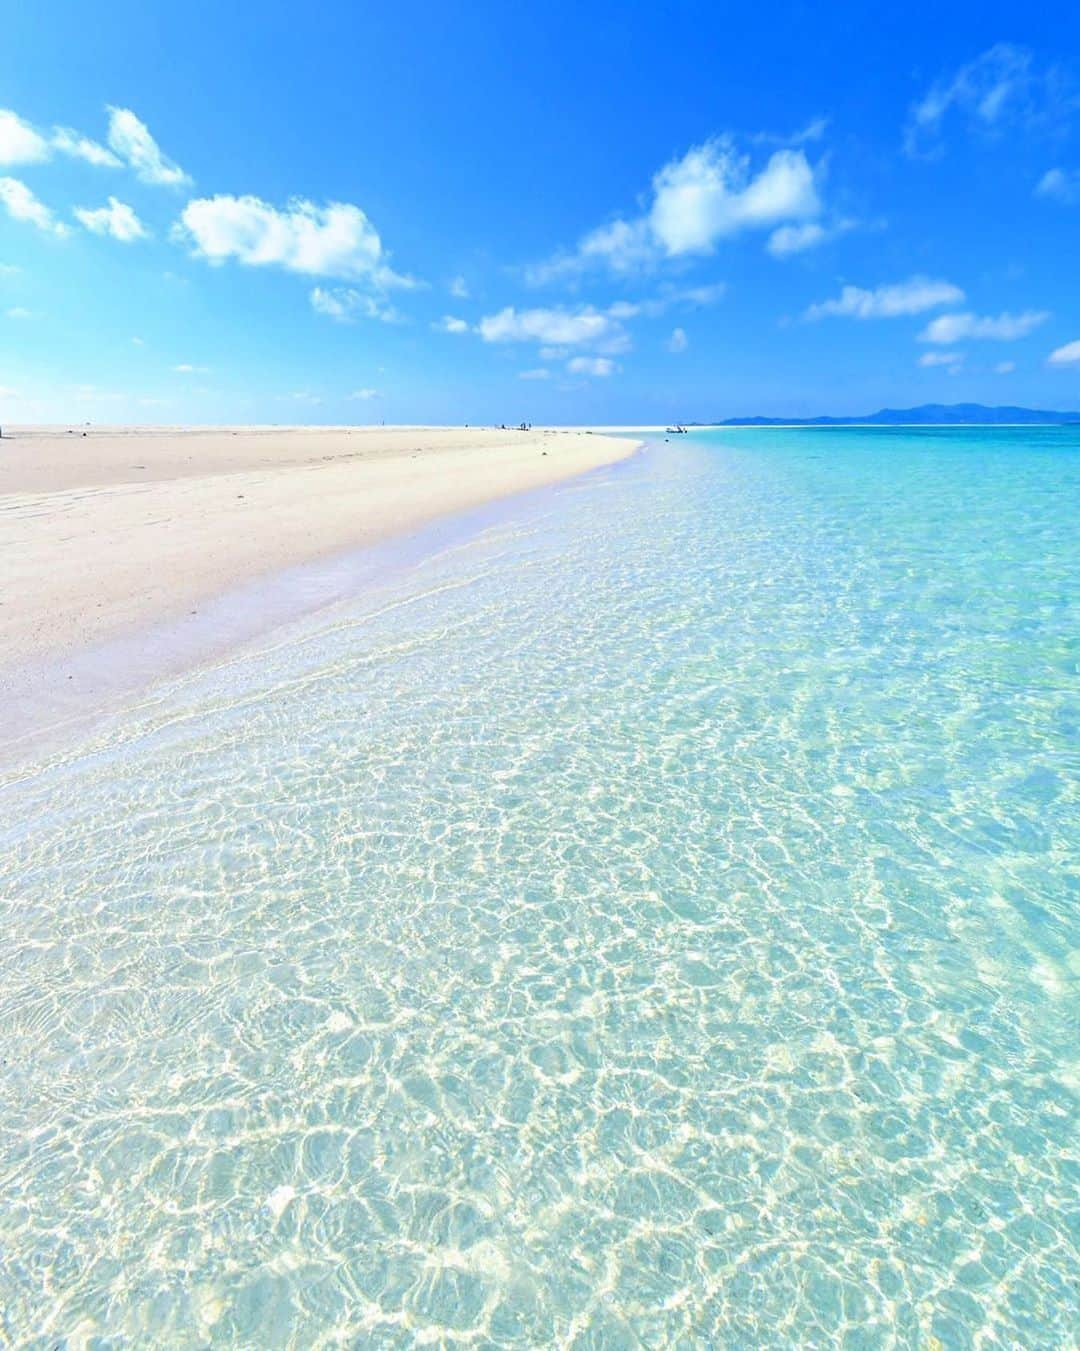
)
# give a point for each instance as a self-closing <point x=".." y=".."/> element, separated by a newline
<point x="107" y="530"/>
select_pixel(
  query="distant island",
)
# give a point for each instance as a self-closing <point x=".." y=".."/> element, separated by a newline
<point x="976" y="413"/>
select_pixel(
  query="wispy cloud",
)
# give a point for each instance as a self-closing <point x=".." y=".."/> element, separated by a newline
<point x="364" y="395"/>
<point x="23" y="143"/>
<point x="1069" y="355"/>
<point x="678" y="342"/>
<point x="813" y="130"/>
<point x="914" y="296"/>
<point x="20" y="143"/>
<point x="117" y="219"/>
<point x="184" y="368"/>
<point x="598" y="366"/>
<point x="76" y="145"/>
<point x="537" y="373"/>
<point x="707" y="195"/>
<point x="556" y="327"/>
<point x="345" y="305"/>
<point x="21" y="205"/>
<point x="949" y="328"/>
<point x="459" y="289"/>
<point x="1002" y="86"/>
<point x="130" y="139"/>
<point x="622" y="247"/>
<point x="951" y="360"/>
<point x="1061" y="185"/>
<point x="449" y="323"/>
<point x="1005" y="367"/>
<point x="18" y="312"/>
<point x="668" y="297"/>
<point x="336" y="240"/>
<point x="788" y="239"/>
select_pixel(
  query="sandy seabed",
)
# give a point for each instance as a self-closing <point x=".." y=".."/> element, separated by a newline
<point x="106" y="532"/>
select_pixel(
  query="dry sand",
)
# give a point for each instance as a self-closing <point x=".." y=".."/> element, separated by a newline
<point x="103" y="533"/>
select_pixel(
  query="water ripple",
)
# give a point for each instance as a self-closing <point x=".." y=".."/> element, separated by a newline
<point x="651" y="923"/>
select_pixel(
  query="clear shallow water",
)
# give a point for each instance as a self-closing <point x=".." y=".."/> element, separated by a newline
<point x="650" y="923"/>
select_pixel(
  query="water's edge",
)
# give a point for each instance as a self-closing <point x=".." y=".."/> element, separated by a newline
<point x="51" y="706"/>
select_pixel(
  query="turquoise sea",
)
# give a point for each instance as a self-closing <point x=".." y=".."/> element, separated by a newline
<point x="648" y="918"/>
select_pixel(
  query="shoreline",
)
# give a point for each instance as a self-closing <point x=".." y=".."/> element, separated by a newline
<point x="133" y="555"/>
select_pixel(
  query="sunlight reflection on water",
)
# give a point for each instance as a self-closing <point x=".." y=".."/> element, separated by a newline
<point x="647" y="920"/>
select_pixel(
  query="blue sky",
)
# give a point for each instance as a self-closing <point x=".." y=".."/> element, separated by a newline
<point x="356" y="213"/>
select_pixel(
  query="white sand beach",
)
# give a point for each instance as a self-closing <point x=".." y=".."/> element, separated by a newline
<point x="106" y="532"/>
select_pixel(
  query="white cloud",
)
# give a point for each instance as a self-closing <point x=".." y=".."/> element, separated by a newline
<point x="813" y="131"/>
<point x="707" y="195"/>
<point x="20" y="143"/>
<point x="669" y="297"/>
<point x="185" y="369"/>
<point x="949" y="359"/>
<point x="6" y="392"/>
<point x="336" y="240"/>
<point x="332" y="304"/>
<point x="459" y="289"/>
<point x="590" y="366"/>
<point x="344" y="304"/>
<point x="557" y="327"/>
<point x="449" y="324"/>
<point x="913" y="296"/>
<point x="17" y="312"/>
<point x="1059" y="184"/>
<point x="789" y="239"/>
<point x="796" y="238"/>
<point x="999" y="87"/>
<point x="21" y="204"/>
<point x="710" y="194"/>
<point x="138" y="342"/>
<point x="1005" y="367"/>
<point x="1069" y="355"/>
<point x="622" y="245"/>
<point x="678" y="342"/>
<point x="1003" y="327"/>
<point x="131" y="140"/>
<point x="364" y="394"/>
<point x="73" y="143"/>
<point x="983" y="86"/>
<point x="117" y="219"/>
<point x="537" y="373"/>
